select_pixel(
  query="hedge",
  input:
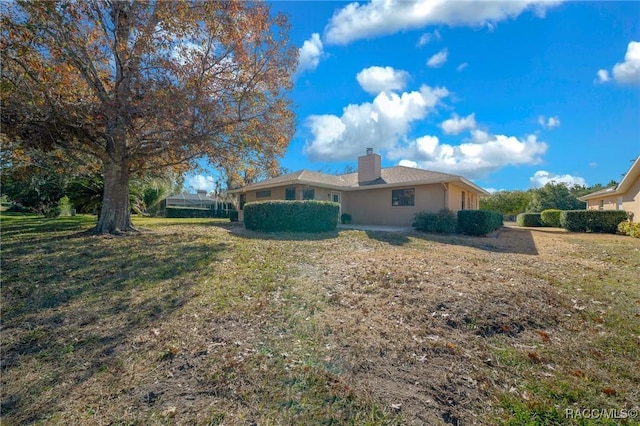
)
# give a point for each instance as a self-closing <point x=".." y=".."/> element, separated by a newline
<point x="186" y="212"/>
<point x="292" y="216"/>
<point x="529" y="219"/>
<point x="478" y="222"/>
<point x="592" y="220"/>
<point x="551" y="217"/>
<point x="444" y="221"/>
<point x="631" y="229"/>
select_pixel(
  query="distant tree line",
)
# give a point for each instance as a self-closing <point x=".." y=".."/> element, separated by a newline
<point x="553" y="195"/>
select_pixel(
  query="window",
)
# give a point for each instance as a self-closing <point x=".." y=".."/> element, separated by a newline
<point x="403" y="197"/>
<point x="243" y="200"/>
<point x="263" y="194"/>
<point x="601" y="205"/>
<point x="308" y="194"/>
<point x="463" y="203"/>
<point x="290" y="194"/>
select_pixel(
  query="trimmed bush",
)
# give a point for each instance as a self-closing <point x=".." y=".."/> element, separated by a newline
<point x="443" y="222"/>
<point x="292" y="216"/>
<point x="185" y="212"/>
<point x="629" y="228"/>
<point x="529" y="219"/>
<point x="233" y="215"/>
<point x="478" y="222"/>
<point x="592" y="220"/>
<point x="345" y="218"/>
<point x="551" y="217"/>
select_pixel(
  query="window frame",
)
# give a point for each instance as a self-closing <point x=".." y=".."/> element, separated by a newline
<point x="403" y="200"/>
<point x="261" y="194"/>
<point x="286" y="193"/>
<point x="309" y="190"/>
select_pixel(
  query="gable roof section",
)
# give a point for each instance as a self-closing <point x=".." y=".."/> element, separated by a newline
<point x="625" y="184"/>
<point x="390" y="177"/>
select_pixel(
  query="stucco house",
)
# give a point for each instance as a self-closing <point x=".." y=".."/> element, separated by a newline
<point x="373" y="195"/>
<point x="624" y="196"/>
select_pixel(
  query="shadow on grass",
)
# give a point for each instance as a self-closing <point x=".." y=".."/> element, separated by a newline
<point x="69" y="302"/>
<point x="241" y="232"/>
<point x="505" y="240"/>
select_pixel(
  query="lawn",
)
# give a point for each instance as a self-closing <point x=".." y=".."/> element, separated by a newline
<point x="197" y="321"/>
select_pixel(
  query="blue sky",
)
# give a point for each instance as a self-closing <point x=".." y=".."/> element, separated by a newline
<point x="509" y="94"/>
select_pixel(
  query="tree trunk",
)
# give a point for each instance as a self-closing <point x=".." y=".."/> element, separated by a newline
<point x="115" y="215"/>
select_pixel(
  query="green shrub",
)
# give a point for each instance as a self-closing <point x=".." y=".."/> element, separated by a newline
<point x="551" y="217"/>
<point x="592" y="220"/>
<point x="444" y="221"/>
<point x="629" y="228"/>
<point x="478" y="222"/>
<point x="293" y="216"/>
<point x="528" y="219"/>
<point x="64" y="206"/>
<point x="233" y="215"/>
<point x="345" y="218"/>
<point x="186" y="212"/>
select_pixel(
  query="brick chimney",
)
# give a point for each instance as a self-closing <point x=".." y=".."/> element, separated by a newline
<point x="369" y="167"/>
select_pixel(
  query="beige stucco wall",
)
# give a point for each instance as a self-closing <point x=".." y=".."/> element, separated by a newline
<point x="455" y="198"/>
<point x="278" y="193"/>
<point x="630" y="201"/>
<point x="373" y="207"/>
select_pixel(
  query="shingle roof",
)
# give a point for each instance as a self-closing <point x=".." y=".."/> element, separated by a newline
<point x="389" y="176"/>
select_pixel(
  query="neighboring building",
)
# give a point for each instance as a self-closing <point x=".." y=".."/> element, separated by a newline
<point x="372" y="195"/>
<point x="624" y="196"/>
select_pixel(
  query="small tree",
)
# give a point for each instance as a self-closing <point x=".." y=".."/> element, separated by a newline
<point x="553" y="196"/>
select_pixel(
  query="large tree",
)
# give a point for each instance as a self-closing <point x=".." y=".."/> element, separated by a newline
<point x="145" y="86"/>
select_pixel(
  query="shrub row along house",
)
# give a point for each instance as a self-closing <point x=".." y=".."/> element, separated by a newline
<point x="373" y="195"/>
<point x="624" y="196"/>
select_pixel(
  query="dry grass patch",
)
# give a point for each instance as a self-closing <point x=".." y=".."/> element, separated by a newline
<point x="201" y="322"/>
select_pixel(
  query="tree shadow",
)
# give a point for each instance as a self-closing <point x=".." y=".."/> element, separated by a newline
<point x="242" y="232"/>
<point x="504" y="240"/>
<point x="74" y="300"/>
<point x="395" y="238"/>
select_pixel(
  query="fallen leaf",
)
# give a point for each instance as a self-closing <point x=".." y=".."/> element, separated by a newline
<point x="545" y="337"/>
<point x="609" y="391"/>
<point x="535" y="358"/>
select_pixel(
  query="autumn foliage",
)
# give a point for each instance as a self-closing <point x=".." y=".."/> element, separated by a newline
<point x="138" y="87"/>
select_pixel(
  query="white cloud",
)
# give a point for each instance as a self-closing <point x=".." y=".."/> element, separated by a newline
<point x="629" y="70"/>
<point x="593" y="164"/>
<point x="456" y="125"/>
<point x="542" y="177"/>
<point x="310" y="54"/>
<point x="375" y="80"/>
<point x="549" y="123"/>
<point x="379" y="124"/>
<point x="475" y="158"/>
<point x="200" y="182"/>
<point x="380" y="17"/>
<point x="462" y="66"/>
<point x="426" y="38"/>
<point x="603" y="76"/>
<point x="438" y="59"/>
